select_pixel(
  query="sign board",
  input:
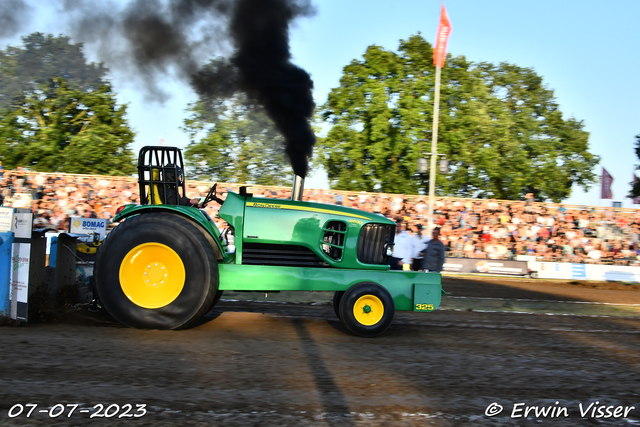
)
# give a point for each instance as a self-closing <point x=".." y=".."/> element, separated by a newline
<point x="485" y="266"/>
<point x="6" y="242"/>
<point x="21" y="225"/>
<point x="88" y="225"/>
<point x="6" y="217"/>
<point x="600" y="272"/>
<point x="20" y="260"/>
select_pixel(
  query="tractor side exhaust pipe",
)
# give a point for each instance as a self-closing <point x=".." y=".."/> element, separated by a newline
<point x="298" y="188"/>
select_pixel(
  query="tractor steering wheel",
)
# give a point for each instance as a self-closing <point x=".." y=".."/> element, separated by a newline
<point x="211" y="196"/>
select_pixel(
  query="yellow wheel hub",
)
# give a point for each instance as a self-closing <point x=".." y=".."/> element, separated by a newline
<point x="368" y="310"/>
<point x="152" y="275"/>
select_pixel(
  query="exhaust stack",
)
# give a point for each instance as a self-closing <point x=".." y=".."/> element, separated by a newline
<point x="298" y="188"/>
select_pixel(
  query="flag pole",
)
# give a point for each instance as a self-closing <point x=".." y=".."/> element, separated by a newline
<point x="434" y="148"/>
<point x="439" y="56"/>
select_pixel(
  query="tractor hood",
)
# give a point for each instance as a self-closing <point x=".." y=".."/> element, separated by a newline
<point x="277" y="226"/>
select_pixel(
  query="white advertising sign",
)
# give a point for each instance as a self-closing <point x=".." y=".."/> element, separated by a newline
<point x="6" y="217"/>
<point x="21" y="225"/>
<point x="20" y="259"/>
<point x="600" y="272"/>
<point x="88" y="226"/>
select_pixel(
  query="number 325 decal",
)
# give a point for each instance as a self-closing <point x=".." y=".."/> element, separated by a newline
<point x="424" y="307"/>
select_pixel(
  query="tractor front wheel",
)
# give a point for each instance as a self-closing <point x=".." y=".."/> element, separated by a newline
<point x="366" y="309"/>
<point x="157" y="271"/>
<point x="337" y="297"/>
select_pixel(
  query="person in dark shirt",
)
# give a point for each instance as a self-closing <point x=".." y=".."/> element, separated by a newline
<point x="172" y="197"/>
<point x="434" y="253"/>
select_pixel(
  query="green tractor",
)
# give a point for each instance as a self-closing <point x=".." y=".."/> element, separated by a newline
<point x="166" y="265"/>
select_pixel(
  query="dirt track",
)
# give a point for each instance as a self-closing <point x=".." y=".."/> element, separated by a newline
<point x="256" y="363"/>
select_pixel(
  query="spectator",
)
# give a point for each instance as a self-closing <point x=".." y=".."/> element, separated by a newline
<point x="21" y="178"/>
<point x="64" y="225"/>
<point x="594" y="255"/>
<point x="529" y="202"/>
<point x="506" y="229"/>
<point x="404" y="246"/>
<point x="419" y="243"/>
<point x="434" y="254"/>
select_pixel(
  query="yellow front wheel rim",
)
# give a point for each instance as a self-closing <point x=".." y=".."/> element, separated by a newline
<point x="368" y="310"/>
<point x="152" y="275"/>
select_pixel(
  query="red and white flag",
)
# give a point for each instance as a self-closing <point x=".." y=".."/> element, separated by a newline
<point x="444" y="29"/>
<point x="606" y="181"/>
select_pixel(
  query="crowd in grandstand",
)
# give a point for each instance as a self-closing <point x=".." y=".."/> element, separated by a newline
<point x="469" y="228"/>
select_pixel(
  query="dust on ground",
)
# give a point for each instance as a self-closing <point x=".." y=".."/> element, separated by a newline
<point x="290" y="362"/>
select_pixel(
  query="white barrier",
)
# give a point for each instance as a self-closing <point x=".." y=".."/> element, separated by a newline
<point x="568" y="271"/>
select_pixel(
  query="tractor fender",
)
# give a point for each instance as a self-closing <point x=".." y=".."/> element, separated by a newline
<point x="199" y="217"/>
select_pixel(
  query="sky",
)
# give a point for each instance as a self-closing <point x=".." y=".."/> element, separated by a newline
<point x="586" y="52"/>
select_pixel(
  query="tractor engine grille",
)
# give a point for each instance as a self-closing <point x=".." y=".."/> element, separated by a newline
<point x="280" y="255"/>
<point x="371" y="242"/>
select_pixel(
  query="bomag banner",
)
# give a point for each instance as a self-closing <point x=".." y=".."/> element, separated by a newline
<point x="80" y="225"/>
<point x="485" y="266"/>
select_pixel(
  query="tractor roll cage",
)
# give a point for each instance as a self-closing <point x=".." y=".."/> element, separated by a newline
<point x="153" y="165"/>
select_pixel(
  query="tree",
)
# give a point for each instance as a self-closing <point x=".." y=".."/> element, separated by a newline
<point x="500" y="128"/>
<point x="58" y="129"/>
<point x="235" y="141"/>
<point x="635" y="185"/>
<point x="42" y="58"/>
<point x="232" y="138"/>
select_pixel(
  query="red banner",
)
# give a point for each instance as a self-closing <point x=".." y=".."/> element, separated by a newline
<point x="444" y="29"/>
<point x="606" y="181"/>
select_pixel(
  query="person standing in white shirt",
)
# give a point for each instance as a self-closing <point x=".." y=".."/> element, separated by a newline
<point x="420" y="241"/>
<point x="403" y="248"/>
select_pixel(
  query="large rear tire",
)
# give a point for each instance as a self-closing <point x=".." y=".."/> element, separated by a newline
<point x="366" y="309"/>
<point x="157" y="271"/>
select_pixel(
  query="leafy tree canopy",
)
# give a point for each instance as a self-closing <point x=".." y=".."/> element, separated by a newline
<point x="58" y="129"/>
<point x="499" y="126"/>
<point x="58" y="113"/>
<point x="42" y="58"/>
<point x="232" y="138"/>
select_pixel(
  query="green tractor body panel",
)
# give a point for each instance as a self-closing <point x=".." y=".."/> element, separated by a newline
<point x="283" y="245"/>
<point x="277" y="224"/>
<point x="410" y="290"/>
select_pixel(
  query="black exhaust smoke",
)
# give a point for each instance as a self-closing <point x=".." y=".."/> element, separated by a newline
<point x="260" y="31"/>
<point x="151" y="39"/>
<point x="13" y="14"/>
